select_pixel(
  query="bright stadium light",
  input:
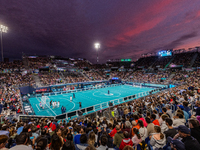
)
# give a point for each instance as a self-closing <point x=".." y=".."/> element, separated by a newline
<point x="97" y="46"/>
<point x="3" y="29"/>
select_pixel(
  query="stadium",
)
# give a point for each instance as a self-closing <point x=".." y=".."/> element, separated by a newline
<point x="67" y="102"/>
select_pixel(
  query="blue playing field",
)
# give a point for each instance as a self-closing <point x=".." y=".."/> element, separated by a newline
<point x="87" y="98"/>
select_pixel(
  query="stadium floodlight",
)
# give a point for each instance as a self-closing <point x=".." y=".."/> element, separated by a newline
<point x="3" y="29"/>
<point x="97" y="46"/>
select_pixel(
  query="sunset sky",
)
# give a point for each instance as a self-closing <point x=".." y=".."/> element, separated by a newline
<point x="124" y="28"/>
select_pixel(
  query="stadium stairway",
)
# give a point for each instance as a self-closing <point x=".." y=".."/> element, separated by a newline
<point x="37" y="80"/>
<point x="99" y="73"/>
<point x="170" y="77"/>
<point x="151" y="65"/>
<point x="25" y="61"/>
<point x="85" y="76"/>
<point x="170" y="61"/>
<point x="128" y="76"/>
<point x="193" y="59"/>
<point x="62" y="77"/>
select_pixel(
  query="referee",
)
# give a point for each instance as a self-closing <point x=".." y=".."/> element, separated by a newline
<point x="80" y="106"/>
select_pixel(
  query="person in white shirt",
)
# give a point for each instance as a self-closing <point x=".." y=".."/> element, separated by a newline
<point x="54" y="104"/>
<point x="70" y="98"/>
<point x="21" y="141"/>
<point x="40" y="104"/>
<point x="142" y="130"/>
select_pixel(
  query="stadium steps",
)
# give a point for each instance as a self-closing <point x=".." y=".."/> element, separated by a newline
<point x="170" y="61"/>
<point x="85" y="76"/>
<point x="37" y="80"/>
<point x="127" y="77"/>
<point x="152" y="64"/>
<point x="99" y="74"/>
<point x="193" y="59"/>
<point x="170" y="77"/>
<point x="25" y="61"/>
<point x="62" y="77"/>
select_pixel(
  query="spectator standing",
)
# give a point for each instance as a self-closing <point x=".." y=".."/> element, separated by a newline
<point x="83" y="142"/>
<point x="154" y="120"/>
<point x="118" y="137"/>
<point x="150" y="126"/>
<point x="22" y="142"/>
<point x="56" y="142"/>
<point x="103" y="143"/>
<point x="91" y="139"/>
<point x="142" y="130"/>
<point x="127" y="128"/>
<point x="136" y="139"/>
<point x="77" y="137"/>
<point x="171" y="132"/>
<point x="134" y="125"/>
<point x="169" y="111"/>
<point x="143" y="120"/>
<point x="42" y="144"/>
<point x="125" y="141"/>
<point x="163" y="125"/>
<point x="68" y="145"/>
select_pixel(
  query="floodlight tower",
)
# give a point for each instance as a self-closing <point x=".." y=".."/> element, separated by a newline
<point x="97" y="46"/>
<point x="3" y="29"/>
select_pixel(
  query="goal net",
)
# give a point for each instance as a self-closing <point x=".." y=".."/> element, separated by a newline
<point x="45" y="102"/>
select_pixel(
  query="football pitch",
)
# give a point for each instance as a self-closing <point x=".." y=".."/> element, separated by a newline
<point x="87" y="98"/>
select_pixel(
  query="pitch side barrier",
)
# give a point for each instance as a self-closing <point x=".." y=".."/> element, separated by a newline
<point x="105" y="105"/>
<point x="27" y="118"/>
<point x="153" y="85"/>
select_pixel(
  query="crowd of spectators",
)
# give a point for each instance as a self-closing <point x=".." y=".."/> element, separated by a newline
<point x="164" y="120"/>
<point x="38" y="62"/>
<point x="161" y="62"/>
<point x="10" y="102"/>
<point x="16" y="79"/>
<point x="93" y="75"/>
<point x="11" y="66"/>
<point x="49" y="78"/>
<point x="146" y="61"/>
<point x="197" y="61"/>
<point x="142" y="77"/>
<point x="183" y="59"/>
<point x="53" y="78"/>
<point x="73" y="77"/>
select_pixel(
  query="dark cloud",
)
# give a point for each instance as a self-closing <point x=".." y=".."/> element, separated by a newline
<point x="180" y="40"/>
<point x="125" y="29"/>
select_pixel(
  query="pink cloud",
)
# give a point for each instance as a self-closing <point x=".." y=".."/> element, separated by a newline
<point x="142" y="22"/>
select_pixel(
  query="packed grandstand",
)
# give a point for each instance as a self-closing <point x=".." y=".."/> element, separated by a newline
<point x="168" y="118"/>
